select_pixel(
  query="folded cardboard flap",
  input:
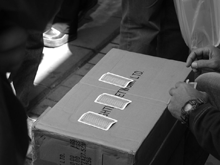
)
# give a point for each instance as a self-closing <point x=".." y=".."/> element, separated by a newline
<point x="68" y="150"/>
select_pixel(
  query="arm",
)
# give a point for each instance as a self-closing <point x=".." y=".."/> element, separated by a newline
<point x="207" y="58"/>
<point x="204" y="122"/>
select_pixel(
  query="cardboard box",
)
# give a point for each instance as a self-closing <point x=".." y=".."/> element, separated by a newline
<point x="116" y="115"/>
<point x="212" y="161"/>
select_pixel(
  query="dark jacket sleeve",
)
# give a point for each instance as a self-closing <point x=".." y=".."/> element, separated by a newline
<point x="14" y="138"/>
<point x="204" y="122"/>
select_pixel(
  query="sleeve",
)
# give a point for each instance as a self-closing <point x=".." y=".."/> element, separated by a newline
<point x="204" y="123"/>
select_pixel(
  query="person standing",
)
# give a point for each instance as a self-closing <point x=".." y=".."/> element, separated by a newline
<point x="151" y="27"/>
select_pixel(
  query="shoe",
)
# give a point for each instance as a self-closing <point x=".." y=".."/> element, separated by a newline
<point x="54" y="38"/>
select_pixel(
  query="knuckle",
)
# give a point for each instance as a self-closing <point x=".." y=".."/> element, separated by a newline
<point x="171" y="92"/>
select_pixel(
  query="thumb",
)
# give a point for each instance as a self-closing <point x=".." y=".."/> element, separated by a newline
<point x="201" y="64"/>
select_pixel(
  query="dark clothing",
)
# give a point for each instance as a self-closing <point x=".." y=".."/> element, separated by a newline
<point x="23" y="79"/>
<point x="204" y="122"/>
<point x="66" y="20"/>
<point x="205" y="125"/>
<point x="70" y="14"/>
<point x="151" y="27"/>
<point x="14" y="138"/>
<point x="31" y="15"/>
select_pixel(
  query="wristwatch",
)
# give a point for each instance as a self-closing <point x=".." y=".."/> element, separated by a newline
<point x="190" y="106"/>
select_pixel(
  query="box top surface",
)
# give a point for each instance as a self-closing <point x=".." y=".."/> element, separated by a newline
<point x="152" y="76"/>
<point x="148" y="95"/>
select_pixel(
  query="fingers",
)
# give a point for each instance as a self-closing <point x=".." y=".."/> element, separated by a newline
<point x="203" y="64"/>
<point x="201" y="53"/>
<point x="177" y="85"/>
<point x="172" y="90"/>
<point x="190" y="59"/>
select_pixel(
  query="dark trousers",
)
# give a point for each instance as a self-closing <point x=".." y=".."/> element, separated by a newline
<point x="68" y="17"/>
<point x="14" y="138"/>
<point x="23" y="79"/>
<point x="151" y="27"/>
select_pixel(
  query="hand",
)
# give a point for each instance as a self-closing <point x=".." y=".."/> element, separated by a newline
<point x="182" y="93"/>
<point x="12" y="47"/>
<point x="204" y="58"/>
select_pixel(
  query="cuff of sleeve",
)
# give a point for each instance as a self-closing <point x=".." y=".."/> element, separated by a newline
<point x="198" y="114"/>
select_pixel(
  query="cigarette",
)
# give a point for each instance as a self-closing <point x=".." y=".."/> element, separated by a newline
<point x="192" y="83"/>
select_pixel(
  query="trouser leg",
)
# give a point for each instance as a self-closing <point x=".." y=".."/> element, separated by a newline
<point x="140" y="25"/>
<point x="151" y="27"/>
<point x="23" y="80"/>
<point x="66" y="19"/>
<point x="170" y="41"/>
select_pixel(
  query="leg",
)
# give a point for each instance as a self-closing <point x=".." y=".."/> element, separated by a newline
<point x="140" y="25"/>
<point x="170" y="42"/>
<point x="13" y="127"/>
<point x="23" y="79"/>
<point x="70" y="13"/>
<point x="210" y="83"/>
<point x="67" y="15"/>
<point x="65" y="24"/>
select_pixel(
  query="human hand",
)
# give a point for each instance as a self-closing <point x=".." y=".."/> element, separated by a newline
<point x="204" y="58"/>
<point x="182" y="93"/>
<point x="12" y="47"/>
